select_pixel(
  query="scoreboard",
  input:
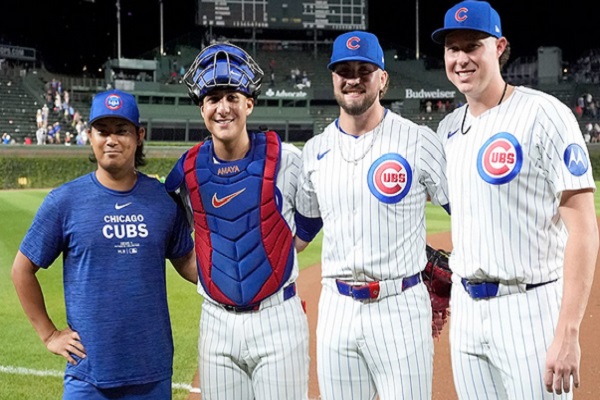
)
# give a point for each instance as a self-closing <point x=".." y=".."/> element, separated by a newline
<point x="284" y="14"/>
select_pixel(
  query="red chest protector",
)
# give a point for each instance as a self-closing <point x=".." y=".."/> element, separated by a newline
<point x="244" y="246"/>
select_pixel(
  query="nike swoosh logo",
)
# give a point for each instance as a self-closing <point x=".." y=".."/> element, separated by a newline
<point x="216" y="202"/>
<point x="321" y="155"/>
<point x="450" y="134"/>
<point x="119" y="206"/>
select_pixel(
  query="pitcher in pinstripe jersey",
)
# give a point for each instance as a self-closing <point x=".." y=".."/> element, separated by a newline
<point x="368" y="176"/>
<point x="524" y="230"/>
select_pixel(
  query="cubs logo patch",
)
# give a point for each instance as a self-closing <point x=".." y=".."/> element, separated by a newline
<point x="461" y="14"/>
<point x="113" y="102"/>
<point x="575" y="159"/>
<point x="353" y="43"/>
<point x="390" y="178"/>
<point x="500" y="159"/>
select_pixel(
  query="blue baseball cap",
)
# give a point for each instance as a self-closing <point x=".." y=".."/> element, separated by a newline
<point x="116" y="104"/>
<point x="357" y="46"/>
<point x="473" y="15"/>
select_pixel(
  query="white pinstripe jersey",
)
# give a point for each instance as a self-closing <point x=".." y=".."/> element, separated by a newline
<point x="505" y="177"/>
<point x="373" y="210"/>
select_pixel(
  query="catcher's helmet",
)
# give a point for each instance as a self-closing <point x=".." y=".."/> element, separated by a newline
<point x="222" y="66"/>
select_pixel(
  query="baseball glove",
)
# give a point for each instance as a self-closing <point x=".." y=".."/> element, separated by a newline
<point x="437" y="276"/>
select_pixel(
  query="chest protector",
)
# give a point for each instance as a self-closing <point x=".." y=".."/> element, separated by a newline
<point x="244" y="246"/>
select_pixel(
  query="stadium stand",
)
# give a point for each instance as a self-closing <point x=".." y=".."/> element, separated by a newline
<point x="17" y="107"/>
<point x="295" y="111"/>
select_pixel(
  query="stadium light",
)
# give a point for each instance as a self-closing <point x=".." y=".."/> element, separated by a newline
<point x="162" y="42"/>
<point x="118" y="29"/>
<point x="417" y="55"/>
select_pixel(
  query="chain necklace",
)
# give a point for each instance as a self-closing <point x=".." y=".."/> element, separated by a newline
<point x="462" y="126"/>
<point x="378" y="129"/>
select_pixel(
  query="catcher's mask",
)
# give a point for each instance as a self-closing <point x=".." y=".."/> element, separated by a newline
<point x="222" y="66"/>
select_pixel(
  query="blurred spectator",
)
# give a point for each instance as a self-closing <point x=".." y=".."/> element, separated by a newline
<point x="57" y="103"/>
<point x="6" y="139"/>
<point x="45" y="112"/>
<point x="589" y="132"/>
<point x="595" y="133"/>
<point x="54" y="133"/>
<point x="578" y="111"/>
<point x="41" y="136"/>
<point x="39" y="118"/>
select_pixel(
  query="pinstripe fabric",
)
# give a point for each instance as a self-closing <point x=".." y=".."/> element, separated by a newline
<point x="508" y="232"/>
<point x="364" y="238"/>
<point x="381" y="346"/>
<point x="498" y="346"/>
<point x="511" y="232"/>
<point x="263" y="354"/>
<point x="254" y="355"/>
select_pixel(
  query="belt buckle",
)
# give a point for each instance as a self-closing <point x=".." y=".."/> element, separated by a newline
<point x="364" y="292"/>
<point x="481" y="290"/>
<point x="241" y="309"/>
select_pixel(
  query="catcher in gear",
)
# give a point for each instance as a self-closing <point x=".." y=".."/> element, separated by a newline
<point x="239" y="189"/>
<point x="437" y="276"/>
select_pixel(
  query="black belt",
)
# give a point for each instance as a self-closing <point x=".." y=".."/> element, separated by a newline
<point x="288" y="293"/>
<point x="485" y="290"/>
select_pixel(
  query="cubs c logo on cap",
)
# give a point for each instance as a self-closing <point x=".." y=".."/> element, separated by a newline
<point x="113" y="102"/>
<point x="390" y="178"/>
<point x="576" y="160"/>
<point x="461" y="14"/>
<point x="353" y="43"/>
<point x="500" y="159"/>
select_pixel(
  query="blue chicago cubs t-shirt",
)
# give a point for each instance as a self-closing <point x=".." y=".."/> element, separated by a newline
<point x="114" y="246"/>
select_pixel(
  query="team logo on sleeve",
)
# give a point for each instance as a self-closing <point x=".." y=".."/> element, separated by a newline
<point x="576" y="160"/>
<point x="389" y="178"/>
<point x="500" y="159"/>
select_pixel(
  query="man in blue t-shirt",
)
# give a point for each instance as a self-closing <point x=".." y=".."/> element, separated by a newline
<point x="115" y="227"/>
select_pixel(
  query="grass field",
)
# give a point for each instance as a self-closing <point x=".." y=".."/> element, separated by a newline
<point x="28" y="370"/>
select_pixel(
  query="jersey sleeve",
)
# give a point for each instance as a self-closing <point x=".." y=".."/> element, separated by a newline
<point x="44" y="241"/>
<point x="307" y="228"/>
<point x="177" y="189"/>
<point x="289" y="174"/>
<point x="181" y="241"/>
<point x="433" y="167"/>
<point x="306" y="197"/>
<point x="564" y="154"/>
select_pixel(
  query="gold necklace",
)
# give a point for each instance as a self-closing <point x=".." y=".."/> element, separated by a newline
<point x="462" y="126"/>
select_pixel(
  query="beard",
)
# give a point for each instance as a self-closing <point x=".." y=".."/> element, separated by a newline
<point x="356" y="107"/>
